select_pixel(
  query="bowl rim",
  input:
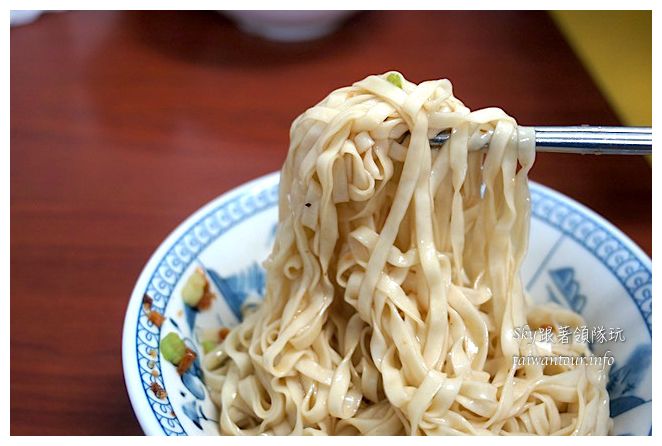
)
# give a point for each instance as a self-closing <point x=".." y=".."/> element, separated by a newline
<point x="134" y="385"/>
<point x="132" y="381"/>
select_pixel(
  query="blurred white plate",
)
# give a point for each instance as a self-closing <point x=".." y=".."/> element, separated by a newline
<point x="289" y="26"/>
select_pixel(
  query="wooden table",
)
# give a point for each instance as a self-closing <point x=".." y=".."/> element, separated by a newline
<point x="122" y="124"/>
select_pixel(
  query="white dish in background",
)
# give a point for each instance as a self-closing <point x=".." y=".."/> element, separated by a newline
<point x="289" y="26"/>
<point x="575" y="258"/>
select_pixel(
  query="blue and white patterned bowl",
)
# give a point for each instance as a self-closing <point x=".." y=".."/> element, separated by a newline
<point x="575" y="258"/>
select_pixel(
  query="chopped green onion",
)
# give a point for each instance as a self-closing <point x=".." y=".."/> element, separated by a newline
<point x="208" y="346"/>
<point x="172" y="348"/>
<point x="395" y="79"/>
<point x="198" y="278"/>
<point x="192" y="294"/>
<point x="194" y="288"/>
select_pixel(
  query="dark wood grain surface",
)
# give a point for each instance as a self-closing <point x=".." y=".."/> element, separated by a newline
<point x="122" y="124"/>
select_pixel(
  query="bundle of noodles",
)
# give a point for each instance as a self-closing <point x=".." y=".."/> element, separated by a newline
<point x="393" y="289"/>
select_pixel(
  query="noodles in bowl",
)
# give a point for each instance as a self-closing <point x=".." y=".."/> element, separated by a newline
<point x="393" y="296"/>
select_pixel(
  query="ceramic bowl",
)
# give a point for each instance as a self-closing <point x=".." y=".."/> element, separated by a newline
<point x="575" y="258"/>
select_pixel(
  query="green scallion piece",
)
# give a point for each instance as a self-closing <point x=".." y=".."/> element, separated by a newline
<point x="208" y="346"/>
<point x="192" y="294"/>
<point x="172" y="348"/>
<point x="395" y="79"/>
<point x="194" y="288"/>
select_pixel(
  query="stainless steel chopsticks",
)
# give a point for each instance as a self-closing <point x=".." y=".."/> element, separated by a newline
<point x="584" y="140"/>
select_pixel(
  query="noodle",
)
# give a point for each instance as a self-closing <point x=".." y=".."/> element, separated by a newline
<point x="393" y="290"/>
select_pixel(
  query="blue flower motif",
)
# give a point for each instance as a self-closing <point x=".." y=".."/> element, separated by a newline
<point x="564" y="280"/>
<point x="236" y="288"/>
<point x="623" y="381"/>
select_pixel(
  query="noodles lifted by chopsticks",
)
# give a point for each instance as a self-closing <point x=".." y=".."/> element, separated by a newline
<point x="393" y="289"/>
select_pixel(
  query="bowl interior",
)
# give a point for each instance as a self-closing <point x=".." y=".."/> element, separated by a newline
<point x="575" y="259"/>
